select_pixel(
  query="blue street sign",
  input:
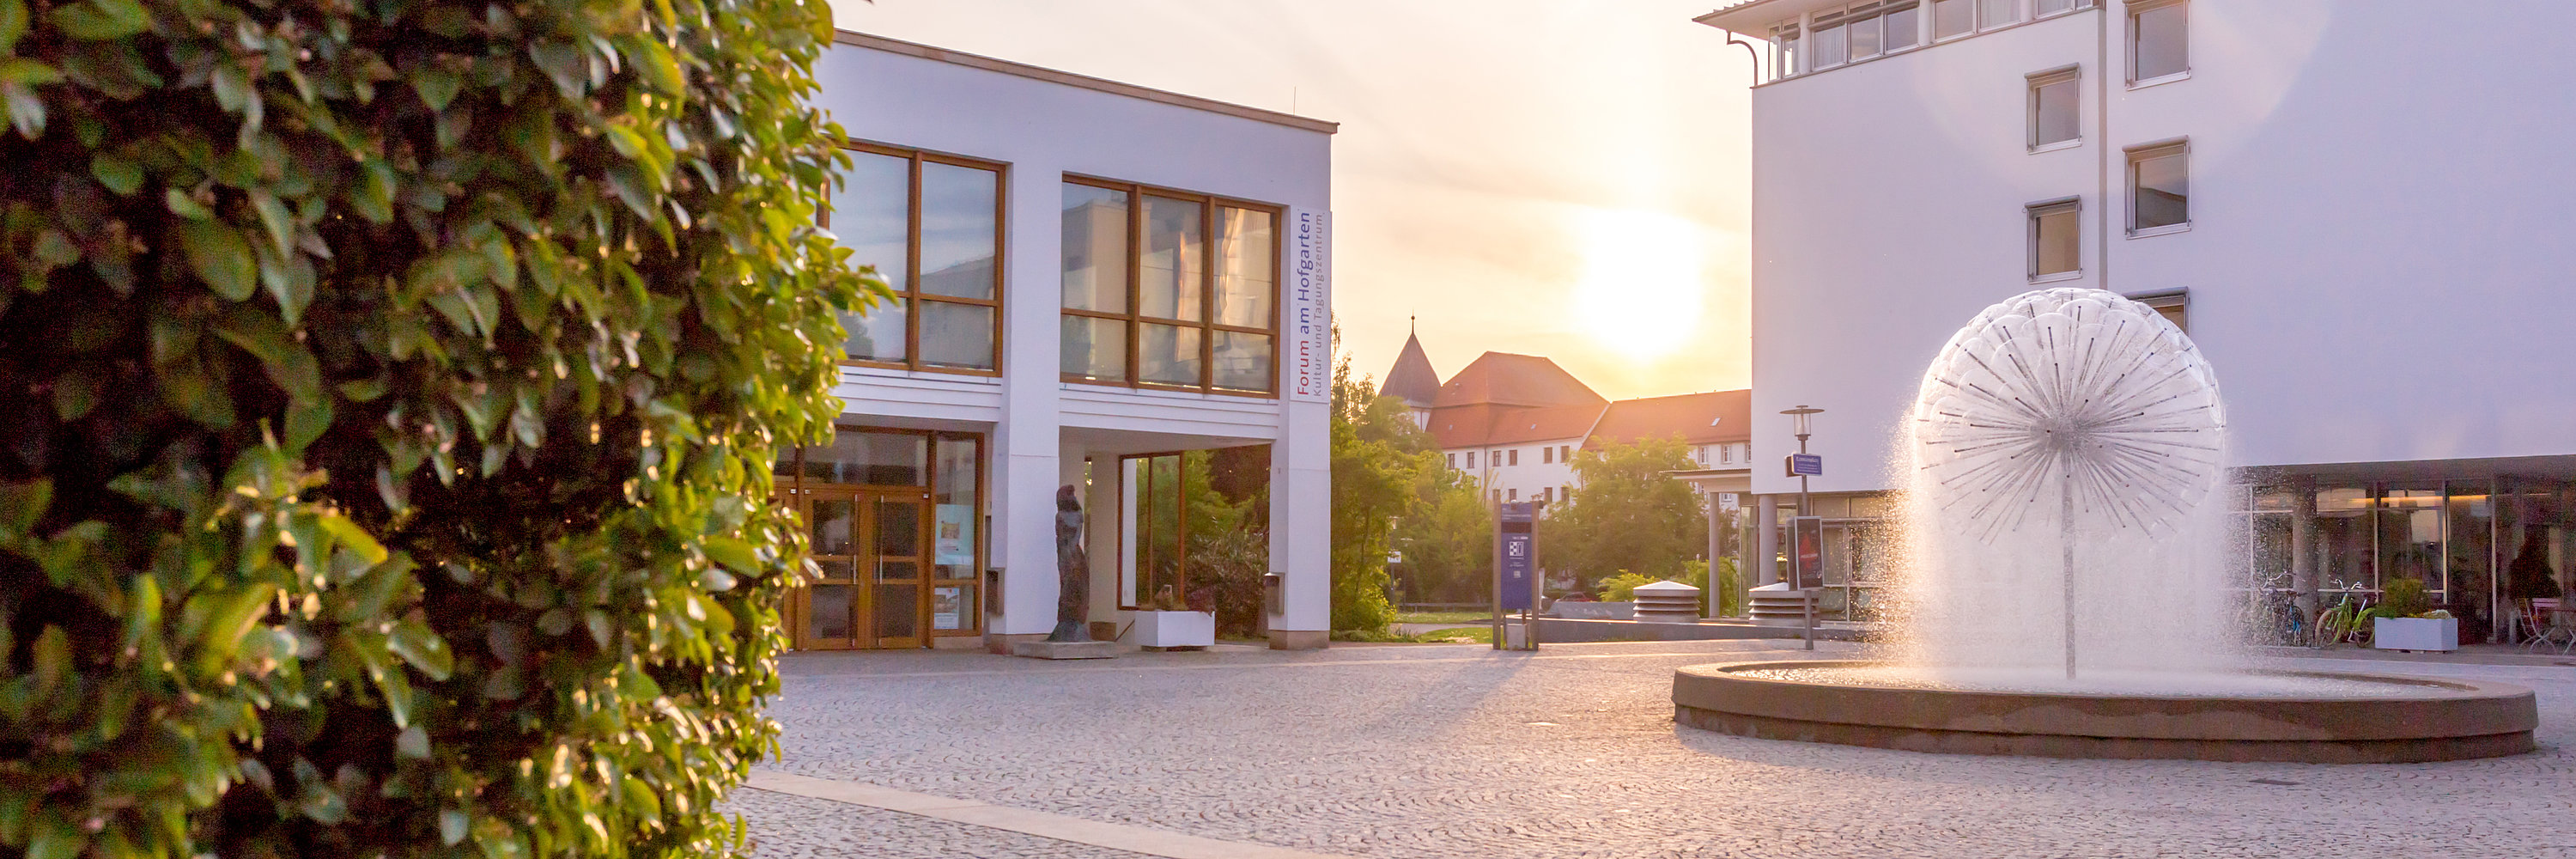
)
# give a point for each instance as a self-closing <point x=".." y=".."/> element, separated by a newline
<point x="1517" y="561"/>
<point x="1807" y="464"/>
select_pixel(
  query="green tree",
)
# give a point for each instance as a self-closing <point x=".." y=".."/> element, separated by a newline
<point x="1626" y="514"/>
<point x="1372" y="478"/>
<point x="1447" y="537"/>
<point x="390" y="394"/>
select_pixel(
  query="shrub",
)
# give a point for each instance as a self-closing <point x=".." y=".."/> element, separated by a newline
<point x="389" y="394"/>
<point x="1622" y="587"/>
<point x="2403" y="598"/>
<point x="1227" y="567"/>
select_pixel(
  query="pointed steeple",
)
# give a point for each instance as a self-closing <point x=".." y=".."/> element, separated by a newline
<point x="1412" y="377"/>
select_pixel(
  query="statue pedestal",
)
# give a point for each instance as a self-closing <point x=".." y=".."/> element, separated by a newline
<point x="1066" y="649"/>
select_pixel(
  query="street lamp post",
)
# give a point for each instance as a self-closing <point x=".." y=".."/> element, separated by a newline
<point x="1799" y="417"/>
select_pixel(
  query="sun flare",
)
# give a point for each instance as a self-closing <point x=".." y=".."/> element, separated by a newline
<point x="1643" y="288"/>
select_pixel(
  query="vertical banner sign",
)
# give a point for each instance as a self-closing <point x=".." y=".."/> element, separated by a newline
<point x="1307" y="351"/>
<point x="1807" y="552"/>
<point x="1516" y="560"/>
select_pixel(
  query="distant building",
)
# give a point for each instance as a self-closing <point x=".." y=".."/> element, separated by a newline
<point x="1413" y="380"/>
<point x="1514" y="423"/>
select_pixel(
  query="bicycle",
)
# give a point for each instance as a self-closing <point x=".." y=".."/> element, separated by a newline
<point x="2344" y="623"/>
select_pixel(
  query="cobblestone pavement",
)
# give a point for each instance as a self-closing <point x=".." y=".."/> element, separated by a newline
<point x="1439" y="751"/>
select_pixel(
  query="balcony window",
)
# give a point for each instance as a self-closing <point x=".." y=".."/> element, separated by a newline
<point x="1997" y="13"/>
<point x="1169" y="289"/>
<point x="930" y="225"/>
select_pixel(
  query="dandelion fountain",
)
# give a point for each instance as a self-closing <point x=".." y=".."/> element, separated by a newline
<point x="2063" y="462"/>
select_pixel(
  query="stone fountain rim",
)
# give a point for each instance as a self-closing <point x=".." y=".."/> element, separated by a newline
<point x="2462" y="718"/>
<point x="2455" y="688"/>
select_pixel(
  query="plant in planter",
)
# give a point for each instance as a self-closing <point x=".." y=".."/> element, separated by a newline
<point x="1164" y="622"/>
<point x="2402" y="622"/>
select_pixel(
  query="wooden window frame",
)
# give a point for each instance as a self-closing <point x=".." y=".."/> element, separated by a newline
<point x="795" y="484"/>
<point x="1180" y="523"/>
<point x="1208" y="326"/>
<point x="909" y="292"/>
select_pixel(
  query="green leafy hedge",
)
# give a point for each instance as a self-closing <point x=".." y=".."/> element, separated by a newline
<point x="387" y="396"/>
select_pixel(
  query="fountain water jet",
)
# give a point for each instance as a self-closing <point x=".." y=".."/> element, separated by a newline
<point x="2074" y="419"/>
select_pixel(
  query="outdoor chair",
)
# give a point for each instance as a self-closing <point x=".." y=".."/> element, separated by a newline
<point x="2549" y="624"/>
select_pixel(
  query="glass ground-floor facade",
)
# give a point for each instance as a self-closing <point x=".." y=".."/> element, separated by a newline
<point x="895" y="520"/>
<point x="2345" y="529"/>
<point x="2463" y="538"/>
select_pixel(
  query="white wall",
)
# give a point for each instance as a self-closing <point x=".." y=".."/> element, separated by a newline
<point x="2374" y="268"/>
<point x="1044" y="130"/>
<point x="1534" y="473"/>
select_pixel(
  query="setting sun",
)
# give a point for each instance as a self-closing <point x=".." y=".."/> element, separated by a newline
<point x="1643" y="289"/>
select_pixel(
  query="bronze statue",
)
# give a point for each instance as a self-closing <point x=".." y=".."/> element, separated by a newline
<point x="1073" y="571"/>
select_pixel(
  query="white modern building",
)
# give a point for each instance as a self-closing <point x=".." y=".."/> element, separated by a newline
<point x="1092" y="278"/>
<point x="2354" y="207"/>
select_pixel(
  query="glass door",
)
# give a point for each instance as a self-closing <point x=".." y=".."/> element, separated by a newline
<point x="824" y="613"/>
<point x="896" y="564"/>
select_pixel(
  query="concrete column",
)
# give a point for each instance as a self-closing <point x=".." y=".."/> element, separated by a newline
<point x="2303" y="542"/>
<point x="1766" y="541"/>
<point x="1025" y="468"/>
<point x="1104" y="504"/>
<point x="1301" y="527"/>
<point x="1716" y="549"/>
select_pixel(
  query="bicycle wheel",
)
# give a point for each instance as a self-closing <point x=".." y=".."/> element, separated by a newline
<point x="2330" y="629"/>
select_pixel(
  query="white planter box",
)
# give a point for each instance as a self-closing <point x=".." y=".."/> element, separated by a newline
<point x="2415" y="633"/>
<point x="1175" y="629"/>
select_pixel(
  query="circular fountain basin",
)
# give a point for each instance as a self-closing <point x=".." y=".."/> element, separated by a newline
<point x="2301" y="716"/>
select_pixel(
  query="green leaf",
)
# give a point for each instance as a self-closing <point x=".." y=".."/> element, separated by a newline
<point x="436" y="86"/>
<point x="413" y="641"/>
<point x="75" y="394"/>
<point x="20" y="70"/>
<point x="100" y="20"/>
<point x="452" y="826"/>
<point x="56" y="838"/>
<point x="118" y="174"/>
<point x="733" y="553"/>
<point x="414" y="743"/>
<point x="13" y="23"/>
<point x="220" y="258"/>
<point x="26" y="111"/>
<point x="354" y="538"/>
<point x="288" y="362"/>
<point x="21" y="505"/>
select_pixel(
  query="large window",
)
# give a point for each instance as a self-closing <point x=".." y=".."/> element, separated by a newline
<point x="1953" y="18"/>
<point x="1169" y="290"/>
<point x="2056" y="99"/>
<point x="2056" y="239"/>
<point x="2159" y="189"/>
<point x="930" y="224"/>
<point x="2157" y="49"/>
<point x="1865" y="30"/>
<point x="1997" y="13"/>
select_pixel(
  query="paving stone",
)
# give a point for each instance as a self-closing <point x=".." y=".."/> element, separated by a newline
<point x="794" y="827"/>
<point x="1442" y="751"/>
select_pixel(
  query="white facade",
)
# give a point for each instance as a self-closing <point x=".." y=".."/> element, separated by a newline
<point x="1040" y="429"/>
<point x="1522" y="471"/>
<point x="2373" y="192"/>
<point x="2371" y="261"/>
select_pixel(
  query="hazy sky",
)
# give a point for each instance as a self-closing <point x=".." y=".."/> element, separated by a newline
<point x="1566" y="178"/>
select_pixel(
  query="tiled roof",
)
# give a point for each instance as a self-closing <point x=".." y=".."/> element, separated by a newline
<point x="1483" y="425"/>
<point x="1706" y="418"/>
<point x="1505" y="379"/>
<point x="1412" y="377"/>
